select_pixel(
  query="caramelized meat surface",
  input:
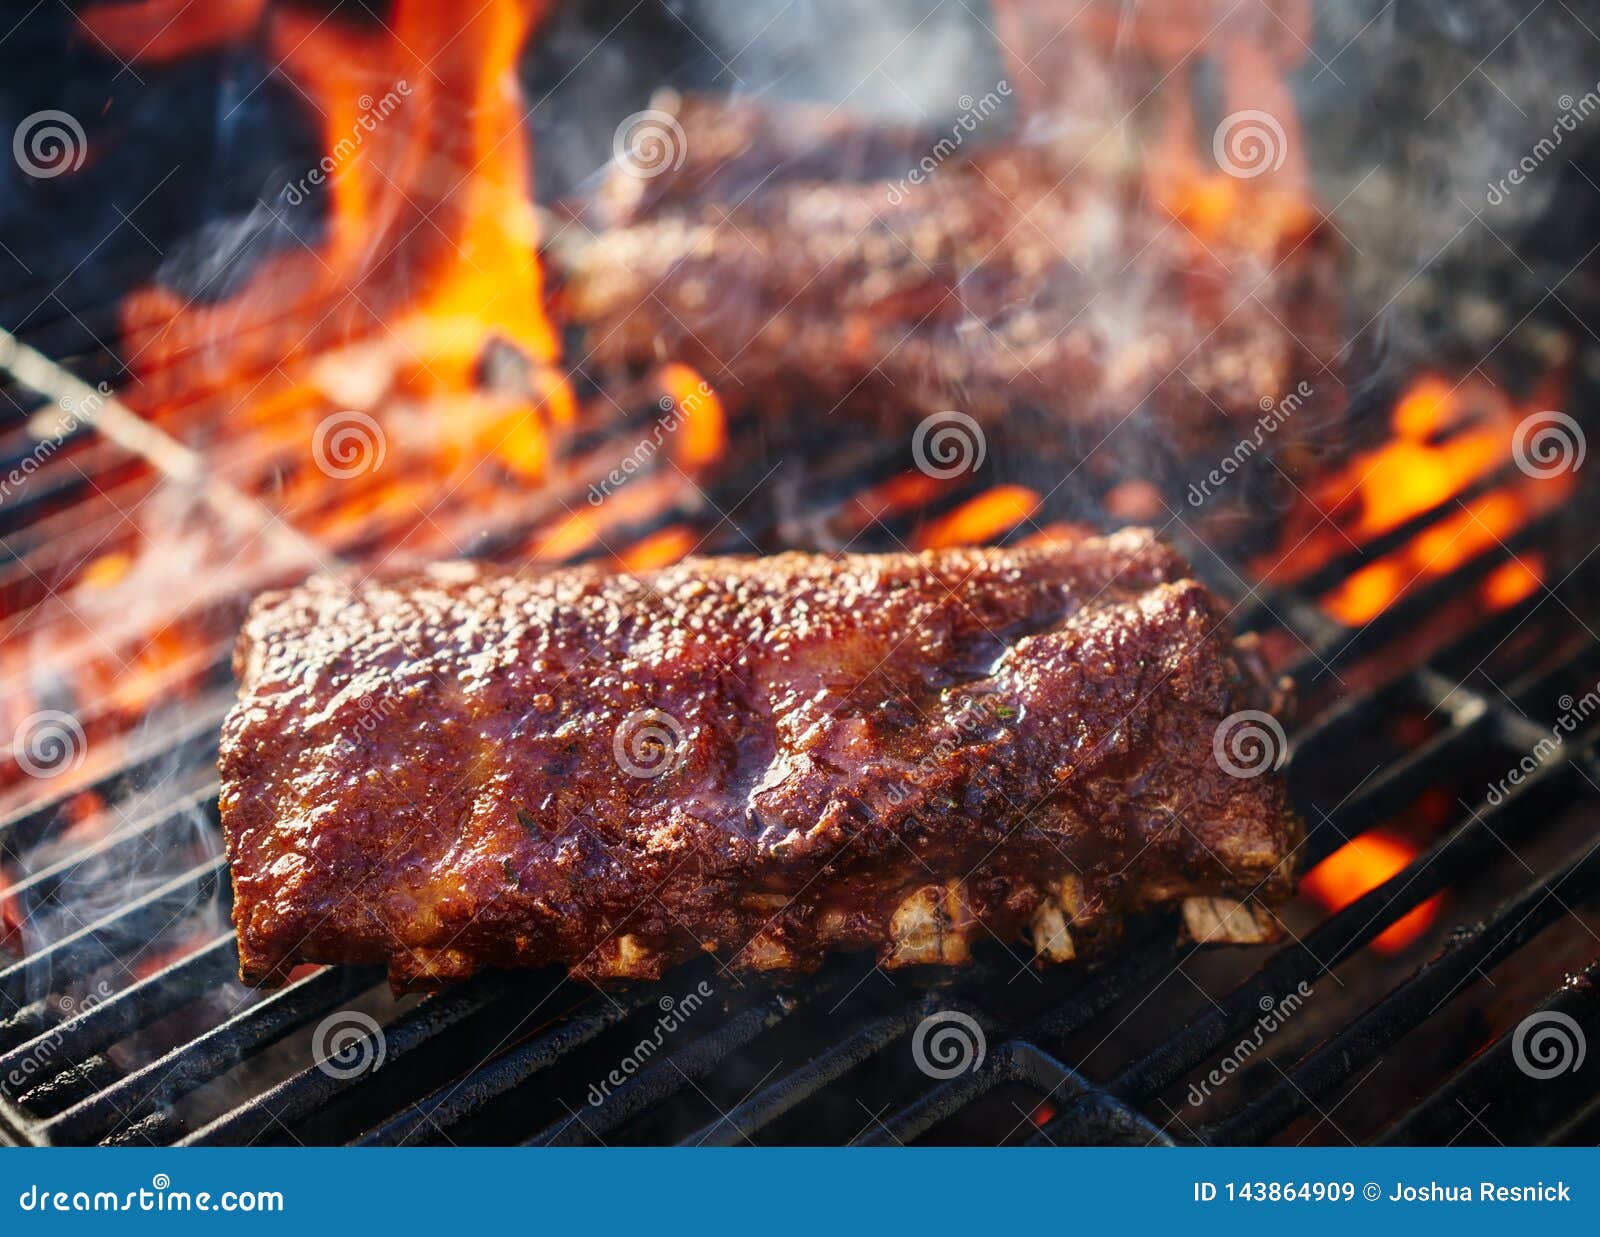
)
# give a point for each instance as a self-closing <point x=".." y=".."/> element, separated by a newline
<point x="1010" y="279"/>
<point x="768" y="758"/>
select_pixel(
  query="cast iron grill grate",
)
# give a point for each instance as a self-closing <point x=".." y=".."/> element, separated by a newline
<point x="177" y="1052"/>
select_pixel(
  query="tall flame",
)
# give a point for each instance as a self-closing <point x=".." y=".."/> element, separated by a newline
<point x="412" y="328"/>
<point x="430" y="239"/>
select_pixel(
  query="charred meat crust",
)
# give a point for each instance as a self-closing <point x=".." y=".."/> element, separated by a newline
<point x="768" y="758"/>
<point x="871" y="297"/>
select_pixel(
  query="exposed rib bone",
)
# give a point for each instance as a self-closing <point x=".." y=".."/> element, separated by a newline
<point x="765" y="953"/>
<point x="1052" y="941"/>
<point x="930" y="926"/>
<point x="629" y="959"/>
<point x="1209" y="920"/>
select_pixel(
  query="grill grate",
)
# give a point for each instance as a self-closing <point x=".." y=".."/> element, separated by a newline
<point x="182" y="1054"/>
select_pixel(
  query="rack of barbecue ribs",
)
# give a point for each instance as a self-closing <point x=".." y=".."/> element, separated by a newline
<point x="1011" y="277"/>
<point x="764" y="758"/>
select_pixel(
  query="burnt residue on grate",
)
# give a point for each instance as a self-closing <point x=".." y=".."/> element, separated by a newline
<point x="180" y="1053"/>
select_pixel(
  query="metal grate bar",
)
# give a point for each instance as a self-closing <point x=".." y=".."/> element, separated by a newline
<point x="1473" y="949"/>
<point x="459" y="1100"/>
<point x="117" y="1109"/>
<point x="1103" y="1118"/>
<point x="190" y="745"/>
<point x="83" y="1036"/>
<point x="772" y="1101"/>
<point x="1494" y="1073"/>
<point x="104" y="942"/>
<point x="666" y="1078"/>
<point x="1458" y="852"/>
<point x="157" y="833"/>
<point x="313" y="1087"/>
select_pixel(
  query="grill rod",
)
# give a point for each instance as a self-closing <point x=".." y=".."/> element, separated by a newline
<point x="118" y="422"/>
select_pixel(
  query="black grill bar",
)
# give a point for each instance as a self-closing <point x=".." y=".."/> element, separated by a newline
<point x="1471" y="950"/>
<point x="1105" y="1120"/>
<point x="121" y="848"/>
<point x="188" y="745"/>
<point x="84" y="1036"/>
<point x="666" y="1078"/>
<point x="1477" y="1091"/>
<point x="772" y="1101"/>
<point x="116" y="1113"/>
<point x="459" y="1100"/>
<point x="314" y="1087"/>
<point x="1455" y="855"/>
<point x="107" y="941"/>
<point x="1148" y="957"/>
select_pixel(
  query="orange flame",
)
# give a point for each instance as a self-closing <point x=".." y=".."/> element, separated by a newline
<point x="659" y="549"/>
<point x="980" y="519"/>
<point x="10" y="919"/>
<point x="417" y="309"/>
<point x="1360" y="866"/>
<point x="1447" y="439"/>
<point x="430" y="240"/>
<point x="702" y="430"/>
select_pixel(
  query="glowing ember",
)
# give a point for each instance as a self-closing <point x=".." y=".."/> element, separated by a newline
<point x="1512" y="582"/>
<point x="980" y="519"/>
<point x="1360" y="866"/>
<point x="659" y="549"/>
<point x="11" y="918"/>
<point x="1447" y="440"/>
<point x="701" y="434"/>
<point x="1447" y="544"/>
<point x="902" y="493"/>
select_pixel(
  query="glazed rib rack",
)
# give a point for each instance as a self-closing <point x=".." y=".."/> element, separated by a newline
<point x="123" y="1023"/>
